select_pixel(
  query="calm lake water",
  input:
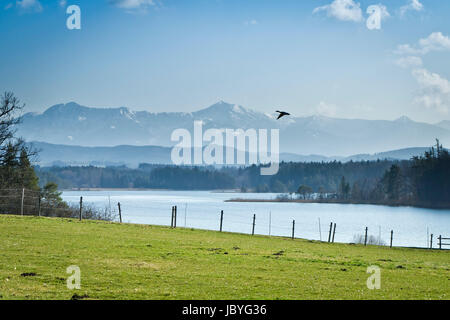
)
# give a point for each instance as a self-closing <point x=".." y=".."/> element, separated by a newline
<point x="201" y="209"/>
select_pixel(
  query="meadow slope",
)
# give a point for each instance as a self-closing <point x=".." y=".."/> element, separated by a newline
<point x="146" y="262"/>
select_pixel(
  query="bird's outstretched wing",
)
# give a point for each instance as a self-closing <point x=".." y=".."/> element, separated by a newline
<point x="282" y="114"/>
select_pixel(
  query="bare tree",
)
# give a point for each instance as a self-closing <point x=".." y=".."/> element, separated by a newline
<point x="10" y="109"/>
<point x="9" y="117"/>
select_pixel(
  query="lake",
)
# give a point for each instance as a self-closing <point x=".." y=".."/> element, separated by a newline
<point x="201" y="209"/>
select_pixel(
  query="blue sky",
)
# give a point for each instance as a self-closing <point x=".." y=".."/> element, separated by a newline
<point x="309" y="56"/>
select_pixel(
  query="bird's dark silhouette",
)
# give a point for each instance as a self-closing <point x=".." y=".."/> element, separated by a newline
<point x="282" y="114"/>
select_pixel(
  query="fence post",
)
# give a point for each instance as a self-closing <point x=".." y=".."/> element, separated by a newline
<point x="254" y="221"/>
<point x="81" y="208"/>
<point x="293" y="229"/>
<point x="39" y="206"/>
<point x="392" y="236"/>
<point x="431" y="241"/>
<point x="270" y="223"/>
<point x="175" y="217"/>
<point x="221" y="220"/>
<point x="329" y="233"/>
<point x="440" y="242"/>
<point x="21" y="203"/>
<point x="120" y="212"/>
<point x="365" y="237"/>
<point x="320" y="231"/>
<point x="334" y="232"/>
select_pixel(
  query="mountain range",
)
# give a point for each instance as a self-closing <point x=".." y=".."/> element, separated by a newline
<point x="74" y="125"/>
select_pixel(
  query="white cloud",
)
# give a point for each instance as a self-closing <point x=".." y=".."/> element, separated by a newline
<point x="416" y="5"/>
<point x="434" y="42"/>
<point x="29" y="5"/>
<point x="432" y="80"/>
<point x="406" y="49"/>
<point x="345" y="10"/>
<point x="409" y="61"/>
<point x="133" y="4"/>
<point x="435" y="91"/>
<point x="326" y="109"/>
<point x="413" y="5"/>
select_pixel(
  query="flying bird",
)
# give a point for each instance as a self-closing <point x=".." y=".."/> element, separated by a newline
<point x="282" y="114"/>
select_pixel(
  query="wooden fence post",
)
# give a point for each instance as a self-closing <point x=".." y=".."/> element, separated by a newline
<point x="221" y="220"/>
<point x="120" y="212"/>
<point x="172" y="223"/>
<point x="293" y="229"/>
<point x="392" y="237"/>
<point x="440" y="242"/>
<point x="175" y="217"/>
<point x="21" y="203"/>
<point x="365" y="237"/>
<point x="254" y="221"/>
<point x="329" y="233"/>
<point x="431" y="241"/>
<point x="334" y="232"/>
<point x="39" y="206"/>
<point x="81" y="208"/>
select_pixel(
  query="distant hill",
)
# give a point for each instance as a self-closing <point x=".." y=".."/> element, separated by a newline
<point x="402" y="154"/>
<point x="73" y="124"/>
<point x="444" y="124"/>
<point x="132" y="156"/>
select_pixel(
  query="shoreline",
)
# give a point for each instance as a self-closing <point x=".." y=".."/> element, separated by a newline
<point x="343" y="202"/>
<point x="234" y="191"/>
<point x="149" y="189"/>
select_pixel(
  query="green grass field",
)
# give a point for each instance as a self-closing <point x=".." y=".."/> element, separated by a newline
<point x="146" y="262"/>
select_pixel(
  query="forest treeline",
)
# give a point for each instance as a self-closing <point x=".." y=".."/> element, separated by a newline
<point x="324" y="177"/>
<point x="421" y="181"/>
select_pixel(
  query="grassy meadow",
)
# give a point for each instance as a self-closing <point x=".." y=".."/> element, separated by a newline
<point x="147" y="262"/>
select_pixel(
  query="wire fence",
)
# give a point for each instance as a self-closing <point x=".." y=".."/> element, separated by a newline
<point x="27" y="202"/>
<point x="31" y="203"/>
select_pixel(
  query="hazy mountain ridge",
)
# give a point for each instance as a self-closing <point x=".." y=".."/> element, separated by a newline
<point x="132" y="156"/>
<point x="72" y="124"/>
<point x="445" y="124"/>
